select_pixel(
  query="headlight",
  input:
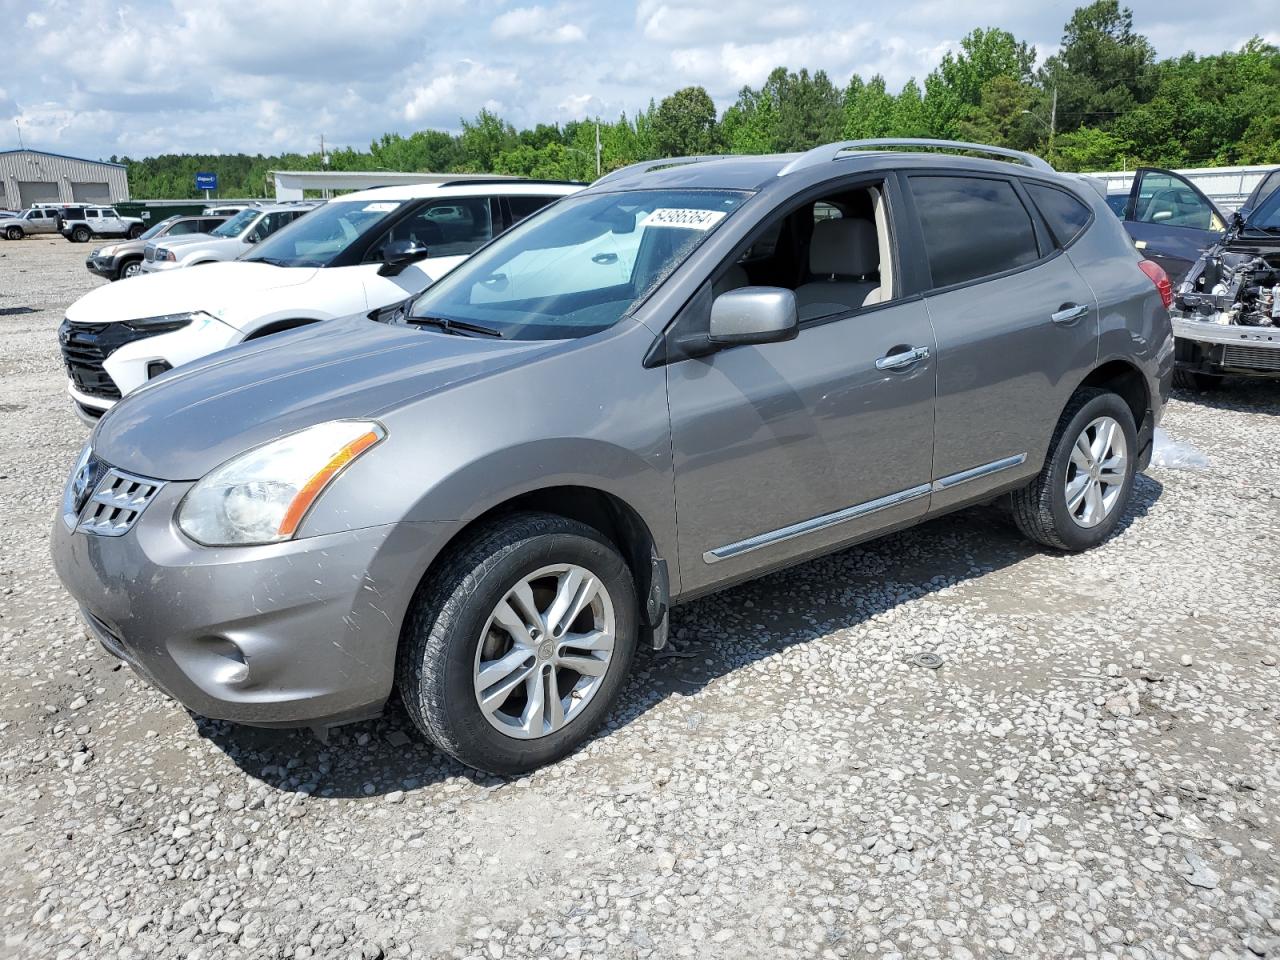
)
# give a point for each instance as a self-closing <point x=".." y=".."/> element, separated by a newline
<point x="169" y="321"/>
<point x="262" y="495"/>
<point x="166" y="255"/>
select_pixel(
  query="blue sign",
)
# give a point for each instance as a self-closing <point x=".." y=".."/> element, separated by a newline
<point x="206" y="181"/>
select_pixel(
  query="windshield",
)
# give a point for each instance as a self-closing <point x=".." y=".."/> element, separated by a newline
<point x="579" y="267"/>
<point x="314" y="240"/>
<point x="157" y="228"/>
<point x="237" y="224"/>
<point x="1266" y="216"/>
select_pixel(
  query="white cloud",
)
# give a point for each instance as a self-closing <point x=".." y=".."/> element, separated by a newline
<point x="228" y="76"/>
<point x="535" y="25"/>
<point x="467" y="85"/>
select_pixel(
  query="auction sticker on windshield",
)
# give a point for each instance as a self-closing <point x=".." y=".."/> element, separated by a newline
<point x="380" y="206"/>
<point x="688" y="218"/>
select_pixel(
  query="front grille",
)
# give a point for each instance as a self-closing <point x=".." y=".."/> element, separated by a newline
<point x="116" y="503"/>
<point x="86" y="346"/>
<point x="149" y="252"/>
<point x="1252" y="358"/>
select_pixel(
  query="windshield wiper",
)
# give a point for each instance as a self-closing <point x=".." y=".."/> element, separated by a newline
<point x="459" y="327"/>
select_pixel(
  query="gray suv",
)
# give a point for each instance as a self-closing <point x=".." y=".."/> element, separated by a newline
<point x="691" y="373"/>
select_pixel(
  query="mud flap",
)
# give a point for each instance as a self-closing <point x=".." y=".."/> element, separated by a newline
<point x="657" y="604"/>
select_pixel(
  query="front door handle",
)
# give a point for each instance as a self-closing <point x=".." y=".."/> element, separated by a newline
<point x="905" y="358"/>
<point x="1070" y="313"/>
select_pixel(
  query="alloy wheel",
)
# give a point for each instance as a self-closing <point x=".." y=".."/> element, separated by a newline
<point x="544" y="651"/>
<point x="131" y="269"/>
<point x="1096" y="472"/>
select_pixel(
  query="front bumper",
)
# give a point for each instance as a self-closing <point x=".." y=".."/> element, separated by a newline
<point x="160" y="266"/>
<point x="1230" y="348"/>
<point x="290" y="634"/>
<point x="104" y="361"/>
<point x="104" y="267"/>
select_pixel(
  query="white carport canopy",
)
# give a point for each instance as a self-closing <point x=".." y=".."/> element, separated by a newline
<point x="290" y="184"/>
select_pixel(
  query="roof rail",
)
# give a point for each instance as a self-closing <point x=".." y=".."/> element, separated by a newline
<point x="827" y="152"/>
<point x="644" y="165"/>
<point x="489" y="181"/>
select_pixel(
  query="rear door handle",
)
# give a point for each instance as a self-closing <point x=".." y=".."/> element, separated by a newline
<point x="1070" y="313"/>
<point x="896" y="361"/>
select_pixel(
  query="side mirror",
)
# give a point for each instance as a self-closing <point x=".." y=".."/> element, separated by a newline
<point x="754" y="315"/>
<point x="399" y="254"/>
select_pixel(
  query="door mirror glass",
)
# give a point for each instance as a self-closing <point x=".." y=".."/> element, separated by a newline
<point x="754" y="315"/>
<point x="398" y="254"/>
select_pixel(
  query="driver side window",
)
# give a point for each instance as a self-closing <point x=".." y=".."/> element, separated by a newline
<point x="449" y="227"/>
<point x="1166" y="200"/>
<point x="830" y="251"/>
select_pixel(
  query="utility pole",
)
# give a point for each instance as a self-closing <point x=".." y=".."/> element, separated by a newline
<point x="324" y="163"/>
<point x="1053" y="119"/>
<point x="18" y="123"/>
<point x="597" y="151"/>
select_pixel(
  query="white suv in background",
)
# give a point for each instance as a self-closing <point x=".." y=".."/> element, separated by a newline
<point x="80" y="224"/>
<point x="361" y="252"/>
<point x="237" y="236"/>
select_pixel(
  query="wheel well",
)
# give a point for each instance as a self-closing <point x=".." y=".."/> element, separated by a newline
<point x="280" y="326"/>
<point x="1123" y="379"/>
<point x="608" y="514"/>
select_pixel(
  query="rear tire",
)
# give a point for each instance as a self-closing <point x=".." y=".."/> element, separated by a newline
<point x="13" y="233"/>
<point x="1079" y="497"/>
<point x="80" y="235"/>
<point x="485" y="626"/>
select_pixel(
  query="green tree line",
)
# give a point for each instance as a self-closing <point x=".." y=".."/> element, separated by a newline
<point x="1103" y="101"/>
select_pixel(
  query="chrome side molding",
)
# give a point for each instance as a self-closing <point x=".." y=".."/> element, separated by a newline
<point x="973" y="473"/>
<point x="768" y="539"/>
<point x="782" y="534"/>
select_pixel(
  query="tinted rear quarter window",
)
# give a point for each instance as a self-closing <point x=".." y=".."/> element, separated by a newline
<point x="1065" y="214"/>
<point x="973" y="227"/>
<point x="522" y="207"/>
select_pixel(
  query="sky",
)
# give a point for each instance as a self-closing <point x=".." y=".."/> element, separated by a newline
<point x="95" y="78"/>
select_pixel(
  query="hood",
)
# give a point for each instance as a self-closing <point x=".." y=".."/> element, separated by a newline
<point x="210" y="287"/>
<point x="182" y="425"/>
<point x="186" y="240"/>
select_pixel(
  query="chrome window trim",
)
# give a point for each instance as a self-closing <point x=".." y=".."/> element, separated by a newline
<point x="782" y="534"/>
<point x="973" y="473"/>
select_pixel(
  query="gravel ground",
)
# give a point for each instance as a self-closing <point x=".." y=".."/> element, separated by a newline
<point x="1092" y="772"/>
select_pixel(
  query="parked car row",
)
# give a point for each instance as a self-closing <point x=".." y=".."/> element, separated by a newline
<point x="360" y="252"/>
<point x="76" y="222"/>
<point x="464" y="487"/>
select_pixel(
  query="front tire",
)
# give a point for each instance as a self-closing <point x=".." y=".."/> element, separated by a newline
<point x="517" y="645"/>
<point x="135" y="232"/>
<point x="130" y="268"/>
<point x="13" y="233"/>
<point x="1079" y="497"/>
<point x="80" y="234"/>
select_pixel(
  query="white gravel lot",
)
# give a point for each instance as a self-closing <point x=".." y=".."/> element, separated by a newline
<point x="1094" y="771"/>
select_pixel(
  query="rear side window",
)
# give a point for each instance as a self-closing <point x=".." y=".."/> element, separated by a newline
<point x="973" y="228"/>
<point x="1065" y="214"/>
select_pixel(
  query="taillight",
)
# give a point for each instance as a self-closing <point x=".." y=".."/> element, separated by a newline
<point x="1156" y="274"/>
